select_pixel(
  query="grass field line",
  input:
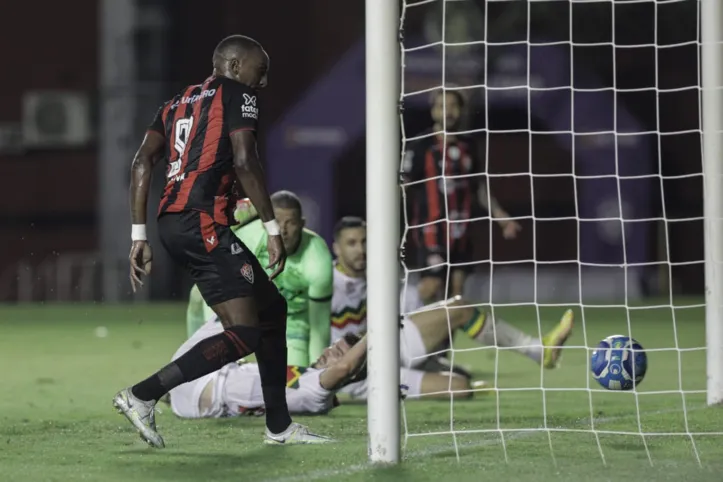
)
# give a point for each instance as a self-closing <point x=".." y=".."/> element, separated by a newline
<point x="438" y="450"/>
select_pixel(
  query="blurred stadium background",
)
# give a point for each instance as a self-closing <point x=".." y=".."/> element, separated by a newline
<point x="79" y="100"/>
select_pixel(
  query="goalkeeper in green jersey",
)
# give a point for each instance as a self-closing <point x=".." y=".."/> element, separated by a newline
<point x="306" y="282"/>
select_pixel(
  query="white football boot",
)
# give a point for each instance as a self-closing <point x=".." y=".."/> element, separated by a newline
<point x="141" y="414"/>
<point x="296" y="434"/>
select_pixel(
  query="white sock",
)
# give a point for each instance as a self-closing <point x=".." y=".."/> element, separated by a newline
<point x="502" y="334"/>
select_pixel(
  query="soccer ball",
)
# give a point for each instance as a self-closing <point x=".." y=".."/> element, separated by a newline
<point x="619" y="363"/>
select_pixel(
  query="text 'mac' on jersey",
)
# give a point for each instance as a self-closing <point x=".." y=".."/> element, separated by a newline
<point x="428" y="159"/>
<point x="197" y="124"/>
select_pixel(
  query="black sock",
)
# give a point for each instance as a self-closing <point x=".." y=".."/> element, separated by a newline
<point x="205" y="357"/>
<point x="271" y="356"/>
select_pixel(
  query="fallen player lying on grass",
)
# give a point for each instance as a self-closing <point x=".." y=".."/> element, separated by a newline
<point x="236" y="388"/>
<point x="425" y="330"/>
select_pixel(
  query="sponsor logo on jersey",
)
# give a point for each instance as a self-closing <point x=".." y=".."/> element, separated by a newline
<point x="249" y="108"/>
<point x="194" y="98"/>
<point x="236" y="249"/>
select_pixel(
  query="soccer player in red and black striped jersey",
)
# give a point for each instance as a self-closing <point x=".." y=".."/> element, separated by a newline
<point x="207" y="134"/>
<point x="424" y="164"/>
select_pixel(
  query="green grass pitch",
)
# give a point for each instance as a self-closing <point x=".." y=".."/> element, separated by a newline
<point x="57" y="424"/>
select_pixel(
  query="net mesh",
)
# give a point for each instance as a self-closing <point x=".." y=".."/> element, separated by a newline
<point x="585" y="124"/>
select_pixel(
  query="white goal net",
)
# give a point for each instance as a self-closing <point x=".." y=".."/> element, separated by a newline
<point x="583" y="120"/>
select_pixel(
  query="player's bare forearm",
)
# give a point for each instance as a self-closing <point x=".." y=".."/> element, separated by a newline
<point x="140" y="187"/>
<point x="490" y="203"/>
<point x="252" y="179"/>
<point x="345" y="368"/>
<point x="141" y="169"/>
<point x="250" y="173"/>
<point x="510" y="227"/>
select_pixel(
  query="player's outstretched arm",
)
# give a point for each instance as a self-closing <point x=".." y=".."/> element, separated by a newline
<point x="245" y="212"/>
<point x="319" y="270"/>
<point x="509" y="227"/>
<point x="340" y="371"/>
<point x="148" y="154"/>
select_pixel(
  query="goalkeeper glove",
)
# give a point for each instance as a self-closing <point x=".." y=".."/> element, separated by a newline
<point x="245" y="212"/>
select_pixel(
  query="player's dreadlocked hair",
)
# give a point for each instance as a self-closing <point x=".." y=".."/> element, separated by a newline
<point x="286" y="200"/>
<point x="348" y="222"/>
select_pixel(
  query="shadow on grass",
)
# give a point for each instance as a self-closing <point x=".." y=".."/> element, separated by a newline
<point x="185" y="465"/>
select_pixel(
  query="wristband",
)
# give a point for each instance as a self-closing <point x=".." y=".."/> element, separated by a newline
<point x="272" y="228"/>
<point x="138" y="232"/>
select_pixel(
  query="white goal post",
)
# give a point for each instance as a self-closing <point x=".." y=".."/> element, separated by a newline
<point x="712" y="106"/>
<point x="382" y="193"/>
<point x="384" y="91"/>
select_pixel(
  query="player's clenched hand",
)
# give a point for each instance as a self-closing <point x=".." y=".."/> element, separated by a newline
<point x="277" y="255"/>
<point x="510" y="229"/>
<point x="140" y="258"/>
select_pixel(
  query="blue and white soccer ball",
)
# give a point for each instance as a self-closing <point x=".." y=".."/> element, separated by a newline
<point x="619" y="363"/>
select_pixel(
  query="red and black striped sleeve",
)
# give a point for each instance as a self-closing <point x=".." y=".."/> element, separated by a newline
<point x="413" y="162"/>
<point x="157" y="124"/>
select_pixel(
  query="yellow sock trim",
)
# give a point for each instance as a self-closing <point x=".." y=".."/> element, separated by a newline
<point x="474" y="326"/>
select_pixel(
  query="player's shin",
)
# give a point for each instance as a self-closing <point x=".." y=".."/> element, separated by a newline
<point x="206" y="356"/>
<point x="271" y="356"/>
<point x="491" y="331"/>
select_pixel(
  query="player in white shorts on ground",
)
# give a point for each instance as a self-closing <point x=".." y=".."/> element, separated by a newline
<point x="423" y="331"/>
<point x="235" y="389"/>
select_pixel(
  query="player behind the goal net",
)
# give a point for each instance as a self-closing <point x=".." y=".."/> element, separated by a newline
<point x="455" y="157"/>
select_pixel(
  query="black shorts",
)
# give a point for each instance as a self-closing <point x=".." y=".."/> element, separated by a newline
<point x="222" y="267"/>
<point x="425" y="258"/>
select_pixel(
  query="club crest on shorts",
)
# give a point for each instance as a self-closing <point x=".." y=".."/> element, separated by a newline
<point x="248" y="272"/>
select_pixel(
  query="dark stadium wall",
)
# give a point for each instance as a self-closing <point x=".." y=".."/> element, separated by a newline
<point x="295" y="34"/>
<point x="47" y="199"/>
